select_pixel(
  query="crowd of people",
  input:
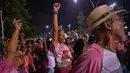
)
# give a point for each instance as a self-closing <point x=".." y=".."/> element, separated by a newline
<point x="105" y="50"/>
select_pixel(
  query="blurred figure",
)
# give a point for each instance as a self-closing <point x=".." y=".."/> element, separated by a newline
<point x="39" y="47"/>
<point x="64" y="56"/>
<point x="127" y="53"/>
<point x="29" y="64"/>
<point x="14" y="59"/>
<point x="78" y="48"/>
<point x="68" y="42"/>
<point x="49" y="50"/>
<point x="40" y="57"/>
<point x="91" y="40"/>
<point x="100" y="57"/>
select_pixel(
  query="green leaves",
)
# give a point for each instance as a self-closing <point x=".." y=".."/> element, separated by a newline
<point x="81" y="23"/>
<point x="16" y="9"/>
<point x="81" y="18"/>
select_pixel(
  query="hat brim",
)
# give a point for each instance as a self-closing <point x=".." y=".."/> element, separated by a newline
<point x="105" y="18"/>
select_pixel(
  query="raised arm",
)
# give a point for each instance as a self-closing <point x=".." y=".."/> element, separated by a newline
<point x="56" y="7"/>
<point x="23" y="40"/>
<point x="13" y="42"/>
<point x="44" y="43"/>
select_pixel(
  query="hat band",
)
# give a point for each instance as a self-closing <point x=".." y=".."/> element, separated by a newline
<point x="104" y="15"/>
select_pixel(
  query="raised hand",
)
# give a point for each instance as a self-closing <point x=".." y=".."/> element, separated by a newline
<point x="22" y="35"/>
<point x="56" y="6"/>
<point x="43" y="34"/>
<point x="17" y="24"/>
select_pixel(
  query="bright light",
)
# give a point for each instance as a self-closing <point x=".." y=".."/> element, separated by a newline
<point x="49" y="33"/>
<point x="47" y="26"/>
<point x="50" y="39"/>
<point x="61" y="26"/>
<point x="69" y="25"/>
<point x="113" y="5"/>
<point x="126" y="27"/>
<point x="75" y="1"/>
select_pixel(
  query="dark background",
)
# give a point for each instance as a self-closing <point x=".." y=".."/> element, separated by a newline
<point x="41" y="12"/>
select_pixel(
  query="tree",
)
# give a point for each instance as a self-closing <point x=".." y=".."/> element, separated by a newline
<point x="81" y="19"/>
<point x="2" y="20"/>
<point x="81" y="22"/>
<point x="16" y="9"/>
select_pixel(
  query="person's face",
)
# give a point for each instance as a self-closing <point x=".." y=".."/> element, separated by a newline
<point x="40" y="42"/>
<point x="30" y="44"/>
<point x="118" y="26"/>
<point x="68" y="41"/>
<point x="61" y="36"/>
<point x="19" y="59"/>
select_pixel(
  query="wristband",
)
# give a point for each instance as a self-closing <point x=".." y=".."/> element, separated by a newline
<point x="55" y="12"/>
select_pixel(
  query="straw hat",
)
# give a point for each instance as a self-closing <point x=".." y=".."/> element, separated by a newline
<point x="99" y="15"/>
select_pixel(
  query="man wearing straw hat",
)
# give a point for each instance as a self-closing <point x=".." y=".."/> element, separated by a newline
<point x="100" y="57"/>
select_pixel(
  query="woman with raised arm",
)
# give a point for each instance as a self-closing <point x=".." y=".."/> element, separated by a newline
<point x="13" y="61"/>
<point x="64" y="57"/>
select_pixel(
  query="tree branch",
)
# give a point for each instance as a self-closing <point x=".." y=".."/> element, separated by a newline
<point x="1" y="16"/>
<point x="5" y="20"/>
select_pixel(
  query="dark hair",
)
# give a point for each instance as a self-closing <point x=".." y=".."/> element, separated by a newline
<point x="66" y="41"/>
<point x="78" y="47"/>
<point x="29" y="41"/>
<point x="92" y="39"/>
<point x="38" y="40"/>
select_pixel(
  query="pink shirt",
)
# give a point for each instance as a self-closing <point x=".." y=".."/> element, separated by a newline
<point x="8" y="67"/>
<point x="29" y="61"/>
<point x="96" y="59"/>
<point x="30" y="58"/>
<point x="59" y="50"/>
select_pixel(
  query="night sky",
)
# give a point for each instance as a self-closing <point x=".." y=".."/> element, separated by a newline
<point x="41" y="12"/>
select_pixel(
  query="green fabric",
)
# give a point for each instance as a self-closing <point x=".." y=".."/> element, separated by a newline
<point x="106" y="48"/>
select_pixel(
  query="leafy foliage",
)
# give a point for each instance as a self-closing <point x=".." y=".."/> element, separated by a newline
<point x="81" y="19"/>
<point x="16" y="9"/>
<point x="81" y="23"/>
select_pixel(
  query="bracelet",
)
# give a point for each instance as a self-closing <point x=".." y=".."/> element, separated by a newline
<point x="55" y="12"/>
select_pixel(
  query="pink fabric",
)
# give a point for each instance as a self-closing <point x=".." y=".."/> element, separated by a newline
<point x="71" y="49"/>
<point x="63" y="52"/>
<point x="39" y="49"/>
<point x="26" y="62"/>
<point x="29" y="61"/>
<point x="59" y="50"/>
<point x="89" y="61"/>
<point x="30" y="58"/>
<point x="120" y="47"/>
<point x="120" y="51"/>
<point x="62" y="70"/>
<point x="8" y="67"/>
